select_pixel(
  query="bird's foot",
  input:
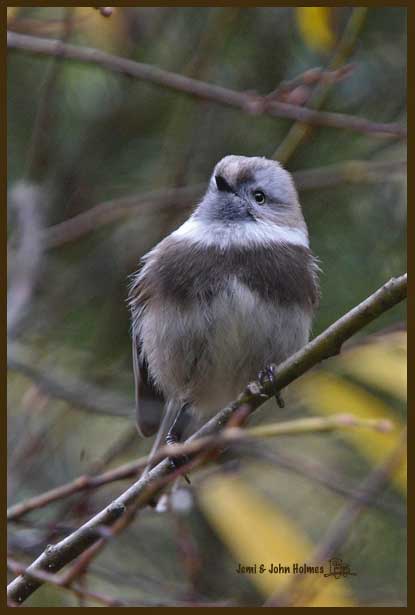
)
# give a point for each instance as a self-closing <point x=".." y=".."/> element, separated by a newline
<point x="177" y="462"/>
<point x="268" y="375"/>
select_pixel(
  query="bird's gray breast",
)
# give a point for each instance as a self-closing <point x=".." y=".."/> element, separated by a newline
<point x="213" y="319"/>
<point x="184" y="271"/>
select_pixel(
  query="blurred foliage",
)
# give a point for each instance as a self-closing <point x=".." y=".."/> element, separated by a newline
<point x="108" y="137"/>
<point x="380" y="365"/>
<point x="248" y="524"/>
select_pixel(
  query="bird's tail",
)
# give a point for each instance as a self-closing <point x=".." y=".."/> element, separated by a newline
<point x="169" y="415"/>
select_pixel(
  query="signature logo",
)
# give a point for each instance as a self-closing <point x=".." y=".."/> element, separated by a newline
<point x="338" y="569"/>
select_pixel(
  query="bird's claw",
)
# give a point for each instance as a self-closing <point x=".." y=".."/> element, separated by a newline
<point x="267" y="375"/>
<point x="177" y="462"/>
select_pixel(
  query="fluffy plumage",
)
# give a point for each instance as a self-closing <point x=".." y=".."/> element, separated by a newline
<point x="230" y="291"/>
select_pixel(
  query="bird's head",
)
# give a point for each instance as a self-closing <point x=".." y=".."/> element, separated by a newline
<point x="244" y="189"/>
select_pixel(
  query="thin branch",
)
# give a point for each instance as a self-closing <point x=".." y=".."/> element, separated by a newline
<point x="300" y="130"/>
<point x="228" y="436"/>
<point x="61" y="581"/>
<point x="289" y="90"/>
<point x="118" y="447"/>
<point x="75" y="392"/>
<point x="350" y="171"/>
<point x="107" y="533"/>
<point x="144" y="489"/>
<point x="82" y="483"/>
<point x="247" y="102"/>
<point x="371" y="486"/>
<point x="107" y="212"/>
<point x="318" y="473"/>
<point x="300" y="593"/>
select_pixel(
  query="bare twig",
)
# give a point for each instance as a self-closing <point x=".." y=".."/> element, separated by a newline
<point x="230" y="435"/>
<point x="318" y="473"/>
<point x="120" y="446"/>
<point x="79" y="394"/>
<point x="298" y="88"/>
<point x="299" y="593"/>
<point x="59" y="581"/>
<point x="353" y="171"/>
<point x="249" y="103"/>
<point x="370" y="487"/>
<point x="143" y="490"/>
<point x="82" y="483"/>
<point x="301" y="130"/>
<point x="350" y="171"/>
<point x="62" y="582"/>
<point x="105" y="213"/>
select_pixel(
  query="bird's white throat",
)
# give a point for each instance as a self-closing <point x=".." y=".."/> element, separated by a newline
<point x="242" y="234"/>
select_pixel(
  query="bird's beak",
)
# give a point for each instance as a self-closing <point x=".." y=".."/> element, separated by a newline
<point x="222" y="185"/>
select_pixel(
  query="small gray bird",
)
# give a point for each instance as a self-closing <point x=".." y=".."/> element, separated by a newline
<point x="230" y="292"/>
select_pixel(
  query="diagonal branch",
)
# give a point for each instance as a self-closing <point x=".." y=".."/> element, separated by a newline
<point x="143" y="490"/>
<point x="215" y="441"/>
<point x="249" y="103"/>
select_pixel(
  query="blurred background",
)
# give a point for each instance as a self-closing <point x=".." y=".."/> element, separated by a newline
<point x="102" y="166"/>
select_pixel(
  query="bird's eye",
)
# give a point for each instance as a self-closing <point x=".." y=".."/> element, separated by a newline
<point x="259" y="196"/>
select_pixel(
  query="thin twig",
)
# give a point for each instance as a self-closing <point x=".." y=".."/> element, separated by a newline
<point x="107" y="212"/>
<point x="143" y="490"/>
<point x="318" y="473"/>
<point x="300" y="593"/>
<point x="350" y="171"/>
<point x="249" y="103"/>
<point x="61" y="582"/>
<point x="79" y="394"/>
<point x="289" y="90"/>
<point x="300" y="130"/>
<point x="86" y="482"/>
<point x="230" y="435"/>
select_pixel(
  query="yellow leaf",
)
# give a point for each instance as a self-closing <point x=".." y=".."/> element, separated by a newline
<point x="257" y="532"/>
<point x="382" y="364"/>
<point x="329" y="394"/>
<point x="104" y="32"/>
<point x="315" y="27"/>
